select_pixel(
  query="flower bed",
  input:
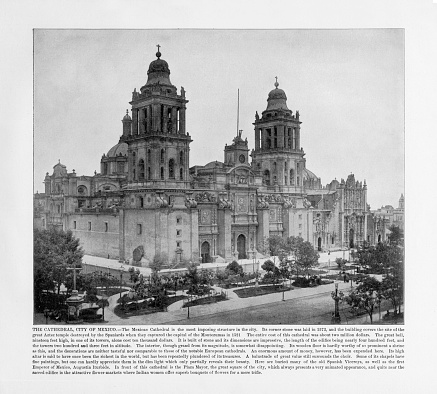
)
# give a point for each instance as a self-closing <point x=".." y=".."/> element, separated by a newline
<point x="206" y="300"/>
<point x="260" y="290"/>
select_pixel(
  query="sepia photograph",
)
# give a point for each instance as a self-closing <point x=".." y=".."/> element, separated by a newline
<point x="219" y="177"/>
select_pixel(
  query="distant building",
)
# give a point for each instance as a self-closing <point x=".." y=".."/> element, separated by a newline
<point x="391" y="216"/>
<point x="147" y="200"/>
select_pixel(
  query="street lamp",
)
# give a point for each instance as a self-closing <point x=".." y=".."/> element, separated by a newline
<point x="46" y="314"/>
<point x="121" y="280"/>
<point x="104" y="298"/>
<point x="336" y="296"/>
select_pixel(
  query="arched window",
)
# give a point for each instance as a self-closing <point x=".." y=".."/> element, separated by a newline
<point x="181" y="174"/>
<point x="171" y="169"/>
<point x="162" y="155"/>
<point x="292" y="177"/>
<point x="297" y="181"/>
<point x="149" y="156"/>
<point x="149" y="176"/>
<point x="267" y="177"/>
<point x="162" y="173"/>
<point x="181" y="158"/>
<point x="141" y="202"/>
<point x="286" y="165"/>
<point x="274" y="166"/>
<point x="141" y="170"/>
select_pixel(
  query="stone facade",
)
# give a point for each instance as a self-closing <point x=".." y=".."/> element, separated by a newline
<point x="147" y="198"/>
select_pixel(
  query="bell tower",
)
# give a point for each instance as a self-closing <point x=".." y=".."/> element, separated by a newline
<point x="158" y="144"/>
<point x="278" y="156"/>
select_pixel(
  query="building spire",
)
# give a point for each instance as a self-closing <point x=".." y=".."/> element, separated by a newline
<point x="238" y="112"/>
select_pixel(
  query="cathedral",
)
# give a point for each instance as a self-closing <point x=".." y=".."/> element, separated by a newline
<point x="148" y="201"/>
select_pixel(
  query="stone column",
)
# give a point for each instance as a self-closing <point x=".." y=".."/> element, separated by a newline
<point x="174" y="120"/>
<point x="141" y="120"/>
<point x="365" y="227"/>
<point x="264" y="138"/>
<point x="158" y="117"/>
<point x="121" y="237"/>
<point x="134" y="121"/>
<point x="342" y="229"/>
<point x="298" y="138"/>
<point x="257" y="138"/>
<point x="281" y="136"/>
<point x="149" y="119"/>
<point x="182" y="120"/>
<point x="165" y="118"/>
<point x="310" y="225"/>
<point x="263" y="224"/>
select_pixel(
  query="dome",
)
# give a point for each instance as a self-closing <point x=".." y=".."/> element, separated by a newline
<point x="277" y="99"/>
<point x="158" y="72"/>
<point x="307" y="174"/>
<point x="127" y="117"/>
<point x="117" y="149"/>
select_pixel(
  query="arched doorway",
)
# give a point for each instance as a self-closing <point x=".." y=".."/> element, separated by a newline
<point x="379" y="238"/>
<point x="351" y="238"/>
<point x="204" y="252"/>
<point x="241" y="246"/>
<point x="319" y="244"/>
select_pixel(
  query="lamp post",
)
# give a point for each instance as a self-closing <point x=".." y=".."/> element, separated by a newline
<point x="121" y="280"/>
<point x="104" y="298"/>
<point x="46" y="314"/>
<point x="336" y="296"/>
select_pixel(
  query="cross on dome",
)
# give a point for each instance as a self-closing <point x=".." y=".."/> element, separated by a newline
<point x="276" y="83"/>
<point x="158" y="54"/>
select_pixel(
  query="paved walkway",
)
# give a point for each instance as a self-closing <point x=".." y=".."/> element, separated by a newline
<point x="176" y="312"/>
<point x="325" y="260"/>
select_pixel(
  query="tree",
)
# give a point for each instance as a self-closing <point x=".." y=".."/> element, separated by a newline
<point x="54" y="251"/>
<point x="221" y="276"/>
<point x="365" y="296"/>
<point x="158" y="262"/>
<point x="392" y="286"/>
<point x="134" y="274"/>
<point x="341" y="263"/>
<point x="276" y="244"/>
<point x="234" y="268"/>
<point x="268" y="266"/>
<point x="396" y="236"/>
<point x="306" y="257"/>
<point x="284" y="269"/>
<point x="272" y="272"/>
<point x="192" y="277"/>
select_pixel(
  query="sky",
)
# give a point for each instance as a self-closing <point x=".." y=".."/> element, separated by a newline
<point x="348" y="86"/>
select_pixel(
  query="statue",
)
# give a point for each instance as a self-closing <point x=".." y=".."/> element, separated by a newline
<point x="256" y="115"/>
